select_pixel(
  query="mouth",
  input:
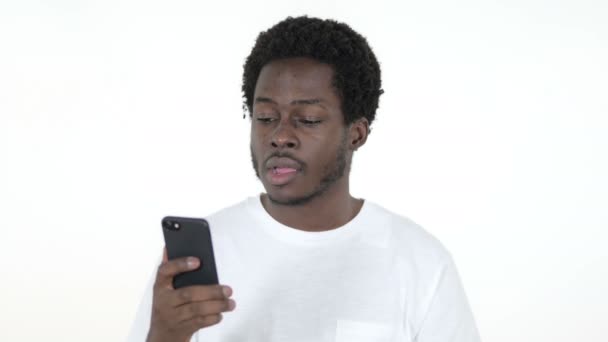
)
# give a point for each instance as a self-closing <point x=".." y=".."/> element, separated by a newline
<point x="279" y="176"/>
<point x="282" y="170"/>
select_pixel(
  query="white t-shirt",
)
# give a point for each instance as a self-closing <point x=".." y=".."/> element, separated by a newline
<point x="380" y="277"/>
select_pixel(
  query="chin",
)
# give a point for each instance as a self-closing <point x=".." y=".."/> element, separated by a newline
<point x="282" y="196"/>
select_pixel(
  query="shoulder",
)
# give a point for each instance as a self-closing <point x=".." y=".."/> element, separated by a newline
<point x="411" y="240"/>
<point x="230" y="217"/>
<point x="231" y="209"/>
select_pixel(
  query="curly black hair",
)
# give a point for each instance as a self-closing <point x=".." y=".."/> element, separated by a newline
<point x="356" y="70"/>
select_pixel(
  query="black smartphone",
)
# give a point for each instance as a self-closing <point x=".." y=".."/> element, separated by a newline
<point x="190" y="237"/>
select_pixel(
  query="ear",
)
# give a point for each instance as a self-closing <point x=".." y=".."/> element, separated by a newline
<point x="358" y="132"/>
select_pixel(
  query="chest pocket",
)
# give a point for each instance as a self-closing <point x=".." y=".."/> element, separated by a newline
<point x="361" y="331"/>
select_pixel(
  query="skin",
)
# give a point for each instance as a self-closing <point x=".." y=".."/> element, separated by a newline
<point x="178" y="313"/>
<point x="290" y="95"/>
<point x="297" y="114"/>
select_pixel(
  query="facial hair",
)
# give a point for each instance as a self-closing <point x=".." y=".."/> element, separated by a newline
<point x="332" y="173"/>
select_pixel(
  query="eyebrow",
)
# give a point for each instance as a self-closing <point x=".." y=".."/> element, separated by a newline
<point x="293" y="103"/>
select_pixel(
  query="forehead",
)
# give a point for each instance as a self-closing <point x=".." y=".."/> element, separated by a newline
<point x="295" y="77"/>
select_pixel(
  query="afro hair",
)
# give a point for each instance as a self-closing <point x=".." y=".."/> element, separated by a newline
<point x="356" y="70"/>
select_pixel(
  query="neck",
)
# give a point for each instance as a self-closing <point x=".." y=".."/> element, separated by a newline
<point x="333" y="209"/>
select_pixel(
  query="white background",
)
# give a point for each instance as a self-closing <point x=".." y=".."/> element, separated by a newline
<point x="492" y="134"/>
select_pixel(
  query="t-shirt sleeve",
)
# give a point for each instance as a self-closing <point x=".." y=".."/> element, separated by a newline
<point x="449" y="317"/>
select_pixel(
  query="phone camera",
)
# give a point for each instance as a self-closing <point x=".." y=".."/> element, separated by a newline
<point x="171" y="225"/>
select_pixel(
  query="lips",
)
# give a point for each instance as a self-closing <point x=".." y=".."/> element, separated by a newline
<point x="281" y="171"/>
<point x="282" y="163"/>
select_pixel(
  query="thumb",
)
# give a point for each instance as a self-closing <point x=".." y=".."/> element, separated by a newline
<point x="165" y="258"/>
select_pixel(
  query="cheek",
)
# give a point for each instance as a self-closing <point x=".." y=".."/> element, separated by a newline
<point x="255" y="139"/>
<point x="322" y="155"/>
<point x="258" y="136"/>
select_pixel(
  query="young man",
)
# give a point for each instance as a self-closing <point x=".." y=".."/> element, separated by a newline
<point x="306" y="261"/>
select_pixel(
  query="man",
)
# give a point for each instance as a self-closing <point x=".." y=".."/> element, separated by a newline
<point x="306" y="261"/>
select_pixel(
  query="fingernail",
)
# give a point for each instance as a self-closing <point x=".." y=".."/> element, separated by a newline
<point x="231" y="304"/>
<point x="227" y="291"/>
<point x="192" y="262"/>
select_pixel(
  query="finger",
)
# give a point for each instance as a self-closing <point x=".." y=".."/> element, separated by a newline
<point x="165" y="258"/>
<point x="197" y="293"/>
<point x="200" y="322"/>
<point x="169" y="269"/>
<point x="190" y="311"/>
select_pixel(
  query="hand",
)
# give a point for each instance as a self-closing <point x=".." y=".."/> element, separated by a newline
<point x="178" y="313"/>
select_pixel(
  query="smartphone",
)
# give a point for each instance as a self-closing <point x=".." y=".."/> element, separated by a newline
<point x="190" y="237"/>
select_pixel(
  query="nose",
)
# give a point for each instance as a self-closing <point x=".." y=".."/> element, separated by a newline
<point x="284" y="136"/>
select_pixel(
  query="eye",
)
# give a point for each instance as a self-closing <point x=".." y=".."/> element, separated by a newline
<point x="265" y="120"/>
<point x="310" y="122"/>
